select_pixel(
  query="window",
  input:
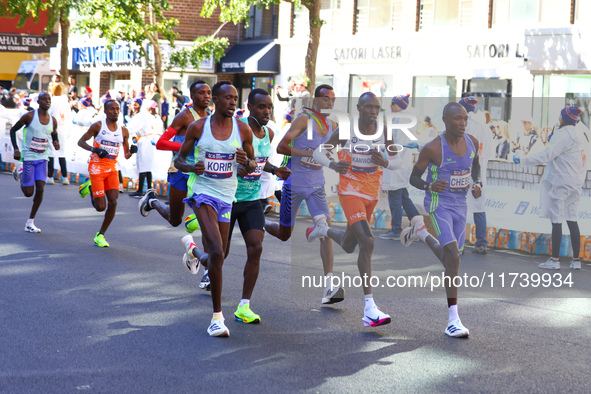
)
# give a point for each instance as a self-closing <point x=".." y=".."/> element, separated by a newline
<point x="445" y="13"/>
<point x="374" y="15"/>
<point x="583" y="11"/>
<point x="263" y="23"/>
<point x="532" y="11"/>
<point x="45" y="80"/>
<point x="331" y="13"/>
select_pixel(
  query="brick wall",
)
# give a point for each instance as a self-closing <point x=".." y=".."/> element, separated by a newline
<point x="104" y="85"/>
<point x="192" y="25"/>
<point x="147" y="78"/>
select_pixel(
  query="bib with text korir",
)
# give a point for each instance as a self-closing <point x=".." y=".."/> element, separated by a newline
<point x="219" y="165"/>
<point x="309" y="162"/>
<point x="38" y="145"/>
<point x="256" y="174"/>
<point x="459" y="180"/>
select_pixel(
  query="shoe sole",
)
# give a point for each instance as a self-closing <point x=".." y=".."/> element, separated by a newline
<point x="100" y="246"/>
<point x="256" y="320"/>
<point x="38" y="231"/>
<point x="382" y="322"/>
<point x="466" y="335"/>
<point x="549" y="268"/>
<point x="188" y="266"/>
<point x="206" y="287"/>
<point x="224" y="334"/>
<point x="337" y="297"/>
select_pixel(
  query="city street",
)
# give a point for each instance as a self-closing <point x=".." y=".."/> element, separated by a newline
<point x="130" y="318"/>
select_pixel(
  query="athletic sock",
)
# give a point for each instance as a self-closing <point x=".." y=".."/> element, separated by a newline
<point x="453" y="313"/>
<point x="369" y="302"/>
<point x="423" y="234"/>
<point x="30" y="221"/>
<point x="217" y="316"/>
<point x="243" y="302"/>
<point x="328" y="281"/>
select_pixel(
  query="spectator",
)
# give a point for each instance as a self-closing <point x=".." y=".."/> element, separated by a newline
<point x="72" y="89"/>
<point x="502" y="139"/>
<point x="8" y="98"/>
<point x="156" y="96"/>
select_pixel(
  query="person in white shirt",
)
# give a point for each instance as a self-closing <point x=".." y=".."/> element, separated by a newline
<point x="477" y="128"/>
<point x="396" y="182"/>
<point x="562" y="182"/>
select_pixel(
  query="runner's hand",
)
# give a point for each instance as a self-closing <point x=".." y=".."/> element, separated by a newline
<point x="476" y="190"/>
<point x="241" y="157"/>
<point x="341" y="167"/>
<point x="133" y="149"/>
<point x="56" y="145"/>
<point x="283" y="172"/>
<point x="199" y="168"/>
<point x="377" y="157"/>
<point x="439" y="186"/>
<point x="102" y="153"/>
<point x="242" y="172"/>
<point x="17" y="155"/>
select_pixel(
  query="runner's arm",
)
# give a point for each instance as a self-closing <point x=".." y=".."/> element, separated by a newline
<point x="320" y="154"/>
<point x="193" y="135"/>
<point x="23" y="121"/>
<point x="298" y="127"/>
<point x="164" y="142"/>
<point x="54" y="136"/>
<point x="126" y="150"/>
<point x="92" y="132"/>
<point x="245" y="156"/>
<point x="476" y="164"/>
<point x="425" y="157"/>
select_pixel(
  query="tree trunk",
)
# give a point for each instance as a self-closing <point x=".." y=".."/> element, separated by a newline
<point x="313" y="7"/>
<point x="158" y="75"/>
<point x="64" y="35"/>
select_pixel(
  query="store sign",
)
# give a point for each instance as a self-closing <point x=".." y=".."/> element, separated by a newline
<point x="494" y="51"/>
<point x="374" y="54"/>
<point x="100" y="56"/>
<point x="26" y="43"/>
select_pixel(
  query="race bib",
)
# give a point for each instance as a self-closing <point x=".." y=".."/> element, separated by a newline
<point x="459" y="181"/>
<point x="219" y="165"/>
<point x="38" y="145"/>
<point x="361" y="162"/>
<point x="309" y="162"/>
<point x="112" y="148"/>
<point x="256" y="174"/>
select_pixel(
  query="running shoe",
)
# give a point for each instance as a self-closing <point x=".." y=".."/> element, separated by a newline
<point x="84" y="188"/>
<point x="390" y="235"/>
<point x="136" y="194"/>
<point x="16" y="173"/>
<point x="99" y="240"/>
<point x="268" y="208"/>
<point x="66" y="181"/>
<point x="50" y="181"/>
<point x="121" y="188"/>
<point x="144" y="204"/>
<point x="575" y="265"/>
<point x="31" y="228"/>
<point x="375" y="317"/>
<point x="205" y="283"/>
<point x="456" y="329"/>
<point x="217" y="328"/>
<point x="550" y="264"/>
<point x="479" y="249"/>
<point x="245" y="315"/>
<point x="314" y="232"/>
<point x="332" y="296"/>
<point x="192" y="265"/>
<point x="409" y="234"/>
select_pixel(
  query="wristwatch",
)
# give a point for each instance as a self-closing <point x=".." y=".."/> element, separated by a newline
<point x="429" y="186"/>
<point x="273" y="169"/>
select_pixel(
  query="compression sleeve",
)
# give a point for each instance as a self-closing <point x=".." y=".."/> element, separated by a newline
<point x="165" y="143"/>
<point x="394" y="162"/>
<point x="321" y="157"/>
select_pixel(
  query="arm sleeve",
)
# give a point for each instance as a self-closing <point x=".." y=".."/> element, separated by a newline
<point x="321" y="157"/>
<point x="548" y="154"/>
<point x="394" y="162"/>
<point x="164" y="142"/>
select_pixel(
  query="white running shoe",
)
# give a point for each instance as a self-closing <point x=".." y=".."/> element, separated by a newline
<point x="314" y="232"/>
<point x="409" y="234"/>
<point x="144" y="204"/>
<point x="456" y="329"/>
<point x="191" y="264"/>
<point x="16" y="173"/>
<point x="332" y="296"/>
<point x="375" y="317"/>
<point x="217" y="328"/>
<point x="50" y="181"/>
<point x="550" y="264"/>
<point x="575" y="265"/>
<point x="205" y="283"/>
<point x="31" y="228"/>
<point x="66" y="181"/>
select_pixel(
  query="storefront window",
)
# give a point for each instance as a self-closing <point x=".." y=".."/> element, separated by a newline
<point x="493" y="94"/>
<point x="520" y="11"/>
<point x="263" y="23"/>
<point x="380" y="85"/>
<point x="431" y="94"/>
<point x="445" y="13"/>
<point x="558" y="91"/>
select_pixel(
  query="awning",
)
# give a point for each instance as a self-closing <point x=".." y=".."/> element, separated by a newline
<point x="251" y="58"/>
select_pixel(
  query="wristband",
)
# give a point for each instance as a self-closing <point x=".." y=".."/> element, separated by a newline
<point x="273" y="169"/>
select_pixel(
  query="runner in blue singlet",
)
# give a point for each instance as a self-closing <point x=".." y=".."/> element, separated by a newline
<point x="452" y="161"/>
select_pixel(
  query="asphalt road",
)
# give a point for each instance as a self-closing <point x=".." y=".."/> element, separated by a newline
<point x="130" y="318"/>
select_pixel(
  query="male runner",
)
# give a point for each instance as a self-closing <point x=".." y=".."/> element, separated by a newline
<point x="39" y="127"/>
<point x="247" y="208"/>
<point x="216" y="141"/>
<point x="452" y="158"/>
<point x="360" y="181"/>
<point x="173" y="213"/>
<point x="102" y="168"/>
<point x="307" y="181"/>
